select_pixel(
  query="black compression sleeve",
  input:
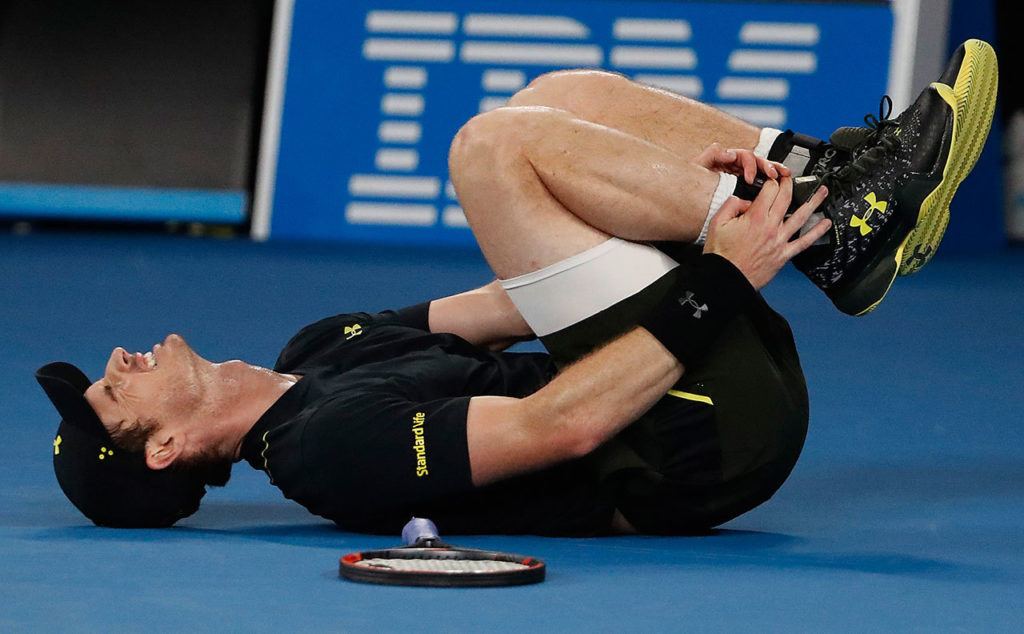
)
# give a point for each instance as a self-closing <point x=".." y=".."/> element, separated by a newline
<point x="702" y="302"/>
<point x="415" y="316"/>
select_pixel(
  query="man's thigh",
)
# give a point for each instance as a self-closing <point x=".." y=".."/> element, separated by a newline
<point x="519" y="225"/>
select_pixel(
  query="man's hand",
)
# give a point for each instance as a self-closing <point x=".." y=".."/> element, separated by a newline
<point x="756" y="236"/>
<point x="739" y="163"/>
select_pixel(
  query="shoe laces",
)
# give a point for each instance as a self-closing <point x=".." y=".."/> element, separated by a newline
<point x="868" y="154"/>
<point x="879" y="124"/>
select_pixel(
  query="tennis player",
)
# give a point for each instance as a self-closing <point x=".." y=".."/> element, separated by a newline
<point x="632" y="243"/>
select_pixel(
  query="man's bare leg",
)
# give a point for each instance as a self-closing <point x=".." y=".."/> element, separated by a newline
<point x="539" y="185"/>
<point x="683" y="126"/>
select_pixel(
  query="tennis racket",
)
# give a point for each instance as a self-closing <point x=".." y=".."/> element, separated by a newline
<point x="425" y="560"/>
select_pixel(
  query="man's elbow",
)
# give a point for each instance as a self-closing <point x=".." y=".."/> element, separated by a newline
<point x="568" y="433"/>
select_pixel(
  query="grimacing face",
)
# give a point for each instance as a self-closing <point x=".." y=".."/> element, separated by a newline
<point x="159" y="387"/>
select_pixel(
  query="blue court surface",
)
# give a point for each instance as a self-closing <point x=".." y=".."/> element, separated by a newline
<point x="906" y="511"/>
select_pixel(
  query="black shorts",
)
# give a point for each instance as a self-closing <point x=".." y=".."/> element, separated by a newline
<point x="723" y="440"/>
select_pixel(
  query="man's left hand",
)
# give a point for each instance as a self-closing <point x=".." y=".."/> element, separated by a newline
<point x="739" y="163"/>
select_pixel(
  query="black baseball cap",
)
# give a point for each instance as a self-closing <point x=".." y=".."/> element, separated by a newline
<point x="110" y="486"/>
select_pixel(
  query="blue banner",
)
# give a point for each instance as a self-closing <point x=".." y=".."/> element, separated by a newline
<point x="376" y="91"/>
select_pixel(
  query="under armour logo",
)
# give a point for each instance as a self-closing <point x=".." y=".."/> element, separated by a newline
<point x="920" y="255"/>
<point x="876" y="205"/>
<point x="353" y="331"/>
<point x="688" y="300"/>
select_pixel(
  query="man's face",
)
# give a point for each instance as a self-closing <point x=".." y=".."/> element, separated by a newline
<point x="158" y="387"/>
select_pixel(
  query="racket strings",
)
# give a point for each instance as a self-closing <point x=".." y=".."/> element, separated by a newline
<point x="423" y="564"/>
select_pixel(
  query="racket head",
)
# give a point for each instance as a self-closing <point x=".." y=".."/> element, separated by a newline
<point x="440" y="567"/>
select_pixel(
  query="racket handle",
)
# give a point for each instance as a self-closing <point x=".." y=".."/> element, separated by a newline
<point x="418" y="531"/>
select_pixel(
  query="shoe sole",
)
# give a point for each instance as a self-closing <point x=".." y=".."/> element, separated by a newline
<point x="974" y="102"/>
<point x="972" y="99"/>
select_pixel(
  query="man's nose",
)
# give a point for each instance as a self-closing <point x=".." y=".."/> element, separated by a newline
<point x="117" y="361"/>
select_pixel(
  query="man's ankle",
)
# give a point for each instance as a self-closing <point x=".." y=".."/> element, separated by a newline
<point x="806" y="155"/>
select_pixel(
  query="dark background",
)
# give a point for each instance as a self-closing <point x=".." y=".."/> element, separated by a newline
<point x="143" y="93"/>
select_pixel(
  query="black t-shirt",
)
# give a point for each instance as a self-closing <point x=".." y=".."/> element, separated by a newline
<point x="375" y="432"/>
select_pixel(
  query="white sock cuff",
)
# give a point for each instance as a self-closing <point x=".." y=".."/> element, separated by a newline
<point x="726" y="186"/>
<point x="764" y="144"/>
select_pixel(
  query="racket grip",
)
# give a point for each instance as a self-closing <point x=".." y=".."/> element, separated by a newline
<point x="419" y="530"/>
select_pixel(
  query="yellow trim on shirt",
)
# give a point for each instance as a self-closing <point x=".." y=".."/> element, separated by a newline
<point x="690" y="396"/>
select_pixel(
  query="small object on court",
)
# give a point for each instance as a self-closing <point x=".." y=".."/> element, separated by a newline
<point x="425" y="560"/>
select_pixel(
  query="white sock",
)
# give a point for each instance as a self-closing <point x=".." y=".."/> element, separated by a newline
<point x="764" y="144"/>
<point x="726" y="186"/>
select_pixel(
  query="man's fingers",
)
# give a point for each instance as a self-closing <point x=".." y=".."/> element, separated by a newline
<point x="731" y="208"/>
<point x="781" y="203"/>
<point x="749" y="163"/>
<point x="768" y="168"/>
<point x="800" y="216"/>
<point x="765" y="199"/>
<point x="725" y="157"/>
<point x="803" y="242"/>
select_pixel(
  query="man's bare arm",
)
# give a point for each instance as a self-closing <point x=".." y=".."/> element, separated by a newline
<point x="484" y="316"/>
<point x="585" y="405"/>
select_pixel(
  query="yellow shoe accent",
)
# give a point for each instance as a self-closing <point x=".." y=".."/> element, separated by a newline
<point x="690" y="396"/>
<point x="946" y="92"/>
<point x="876" y="205"/>
<point x="972" y="98"/>
<point x="856" y="221"/>
<point x="899" y="260"/>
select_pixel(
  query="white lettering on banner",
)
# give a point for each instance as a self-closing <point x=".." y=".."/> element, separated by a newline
<point x="411" y="22"/>
<point x="371" y="185"/>
<point x="748" y="88"/>
<point x="390" y="214"/>
<point x="653" y="57"/>
<point x="402" y="104"/>
<point x="495" y="80"/>
<point x="399" y="132"/>
<point x="652" y="50"/>
<point x="453" y="216"/>
<point x="531" y="54"/>
<point x="779" y="61"/>
<point x="405" y="77"/>
<point x="509" y="25"/>
<point x="657" y="30"/>
<point x="390" y="159"/>
<point x="408" y="50"/>
<point x="791" y="33"/>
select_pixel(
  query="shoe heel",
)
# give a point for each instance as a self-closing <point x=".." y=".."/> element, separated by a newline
<point x="975" y="94"/>
<point x="863" y="295"/>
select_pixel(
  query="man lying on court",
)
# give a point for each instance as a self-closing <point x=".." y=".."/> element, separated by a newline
<point x="672" y="399"/>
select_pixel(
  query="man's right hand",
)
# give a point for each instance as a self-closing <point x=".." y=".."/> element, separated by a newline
<point x="757" y="237"/>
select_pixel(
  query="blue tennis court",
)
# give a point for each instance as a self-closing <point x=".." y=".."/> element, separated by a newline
<point x="906" y="511"/>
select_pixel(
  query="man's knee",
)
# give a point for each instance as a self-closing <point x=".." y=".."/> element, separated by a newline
<point x="493" y="140"/>
<point x="569" y="89"/>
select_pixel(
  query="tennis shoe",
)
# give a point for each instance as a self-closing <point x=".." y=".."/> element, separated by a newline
<point x="889" y="203"/>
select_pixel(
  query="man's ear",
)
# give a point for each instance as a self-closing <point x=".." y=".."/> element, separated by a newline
<point x="162" y="449"/>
